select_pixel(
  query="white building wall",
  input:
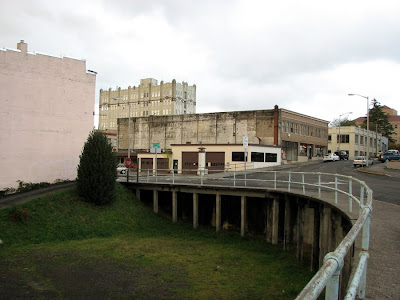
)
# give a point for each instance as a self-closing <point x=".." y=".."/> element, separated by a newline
<point x="46" y="116"/>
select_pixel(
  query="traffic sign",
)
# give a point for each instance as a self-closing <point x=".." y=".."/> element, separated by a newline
<point x="245" y="142"/>
<point x="156" y="145"/>
<point x="127" y="162"/>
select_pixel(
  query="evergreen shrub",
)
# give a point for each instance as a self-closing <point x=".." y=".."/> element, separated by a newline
<point x="97" y="170"/>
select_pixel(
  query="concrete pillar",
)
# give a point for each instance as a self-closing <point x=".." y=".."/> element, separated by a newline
<point x="195" y="210"/>
<point x="243" y="213"/>
<point x="300" y="230"/>
<point x="275" y="221"/>
<point x="174" y="207"/>
<point x="218" y="212"/>
<point x="324" y="233"/>
<point x="268" y="225"/>
<point x="155" y="201"/>
<point x="314" y="265"/>
<point x="138" y="194"/>
<point x="288" y="224"/>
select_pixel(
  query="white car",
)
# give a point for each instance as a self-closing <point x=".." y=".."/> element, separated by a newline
<point x="121" y="169"/>
<point x="362" y="161"/>
<point x="331" y="157"/>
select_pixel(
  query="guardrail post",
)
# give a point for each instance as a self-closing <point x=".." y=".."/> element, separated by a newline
<point x="274" y="180"/>
<point x="156" y="175"/>
<point x="201" y="176"/>
<point x="148" y="175"/>
<point x="319" y="185"/>
<point x="350" y="195"/>
<point x="245" y="175"/>
<point x="173" y="176"/>
<point x="290" y="178"/>
<point x="335" y="188"/>
<point x="362" y="197"/>
<point x="332" y="285"/>
<point x="302" y="181"/>
<point x="234" y="177"/>
<point x="365" y="248"/>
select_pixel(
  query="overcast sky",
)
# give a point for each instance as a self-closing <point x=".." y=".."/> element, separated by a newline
<point x="305" y="56"/>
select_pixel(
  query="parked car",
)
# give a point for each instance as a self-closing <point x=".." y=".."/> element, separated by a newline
<point x="394" y="157"/>
<point x="121" y="169"/>
<point x="331" y="157"/>
<point x="393" y="151"/>
<point x="388" y="156"/>
<point x="362" y="161"/>
<point x="342" y="155"/>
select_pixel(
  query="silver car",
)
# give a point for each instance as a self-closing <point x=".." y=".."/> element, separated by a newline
<point x="362" y="161"/>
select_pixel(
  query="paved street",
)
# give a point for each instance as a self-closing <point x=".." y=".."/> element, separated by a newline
<point x="385" y="188"/>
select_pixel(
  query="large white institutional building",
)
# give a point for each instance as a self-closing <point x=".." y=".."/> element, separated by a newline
<point x="147" y="99"/>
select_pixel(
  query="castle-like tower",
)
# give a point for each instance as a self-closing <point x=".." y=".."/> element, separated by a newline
<point x="147" y="99"/>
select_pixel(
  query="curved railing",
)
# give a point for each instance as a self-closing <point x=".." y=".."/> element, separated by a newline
<point x="339" y="190"/>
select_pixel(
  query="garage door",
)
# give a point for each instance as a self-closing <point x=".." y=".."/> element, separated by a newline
<point x="190" y="161"/>
<point x="215" y="161"/>
<point x="147" y="163"/>
<point x="162" y="164"/>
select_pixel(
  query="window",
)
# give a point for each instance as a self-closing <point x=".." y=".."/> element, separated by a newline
<point x="238" y="156"/>
<point x="343" y="138"/>
<point x="356" y="139"/>
<point x="271" y="157"/>
<point x="257" y="156"/>
<point x="283" y="126"/>
<point x="329" y="138"/>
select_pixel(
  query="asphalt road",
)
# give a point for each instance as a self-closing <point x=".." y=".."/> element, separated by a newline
<point x="385" y="188"/>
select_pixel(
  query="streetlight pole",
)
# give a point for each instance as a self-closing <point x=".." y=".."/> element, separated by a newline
<point x="348" y="113"/>
<point x="366" y="97"/>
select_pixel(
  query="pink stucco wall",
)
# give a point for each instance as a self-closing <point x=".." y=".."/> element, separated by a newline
<point x="46" y="114"/>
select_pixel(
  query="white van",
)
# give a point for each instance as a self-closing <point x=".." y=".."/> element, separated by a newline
<point x="393" y="151"/>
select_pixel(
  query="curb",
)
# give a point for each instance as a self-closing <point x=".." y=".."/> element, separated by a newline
<point x="373" y="173"/>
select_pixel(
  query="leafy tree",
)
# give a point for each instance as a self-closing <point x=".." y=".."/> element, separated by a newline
<point x="97" y="170"/>
<point x="344" y="122"/>
<point x="379" y="121"/>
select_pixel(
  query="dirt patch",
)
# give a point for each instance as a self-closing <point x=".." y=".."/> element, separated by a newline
<point x="72" y="276"/>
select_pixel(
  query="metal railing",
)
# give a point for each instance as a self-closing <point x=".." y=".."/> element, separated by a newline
<point x="338" y="189"/>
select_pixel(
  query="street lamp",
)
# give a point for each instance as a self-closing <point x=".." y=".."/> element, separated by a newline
<point x="348" y="113"/>
<point x="129" y="127"/>
<point x="366" y="97"/>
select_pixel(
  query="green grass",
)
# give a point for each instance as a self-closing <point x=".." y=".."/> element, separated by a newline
<point x="198" y="264"/>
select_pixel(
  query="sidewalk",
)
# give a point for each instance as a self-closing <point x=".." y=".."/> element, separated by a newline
<point x="379" y="168"/>
<point x="25" y="197"/>
<point x="384" y="262"/>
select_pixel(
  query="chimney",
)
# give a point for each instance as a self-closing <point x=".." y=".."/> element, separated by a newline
<point x="22" y="46"/>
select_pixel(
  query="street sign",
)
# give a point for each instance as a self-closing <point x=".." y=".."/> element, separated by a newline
<point x="156" y="145"/>
<point x="245" y="142"/>
<point x="155" y="150"/>
<point x="127" y="162"/>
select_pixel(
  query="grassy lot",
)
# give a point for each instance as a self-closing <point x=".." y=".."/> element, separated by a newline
<point x="67" y="248"/>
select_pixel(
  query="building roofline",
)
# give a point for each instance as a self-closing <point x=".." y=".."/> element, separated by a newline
<point x="303" y="115"/>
